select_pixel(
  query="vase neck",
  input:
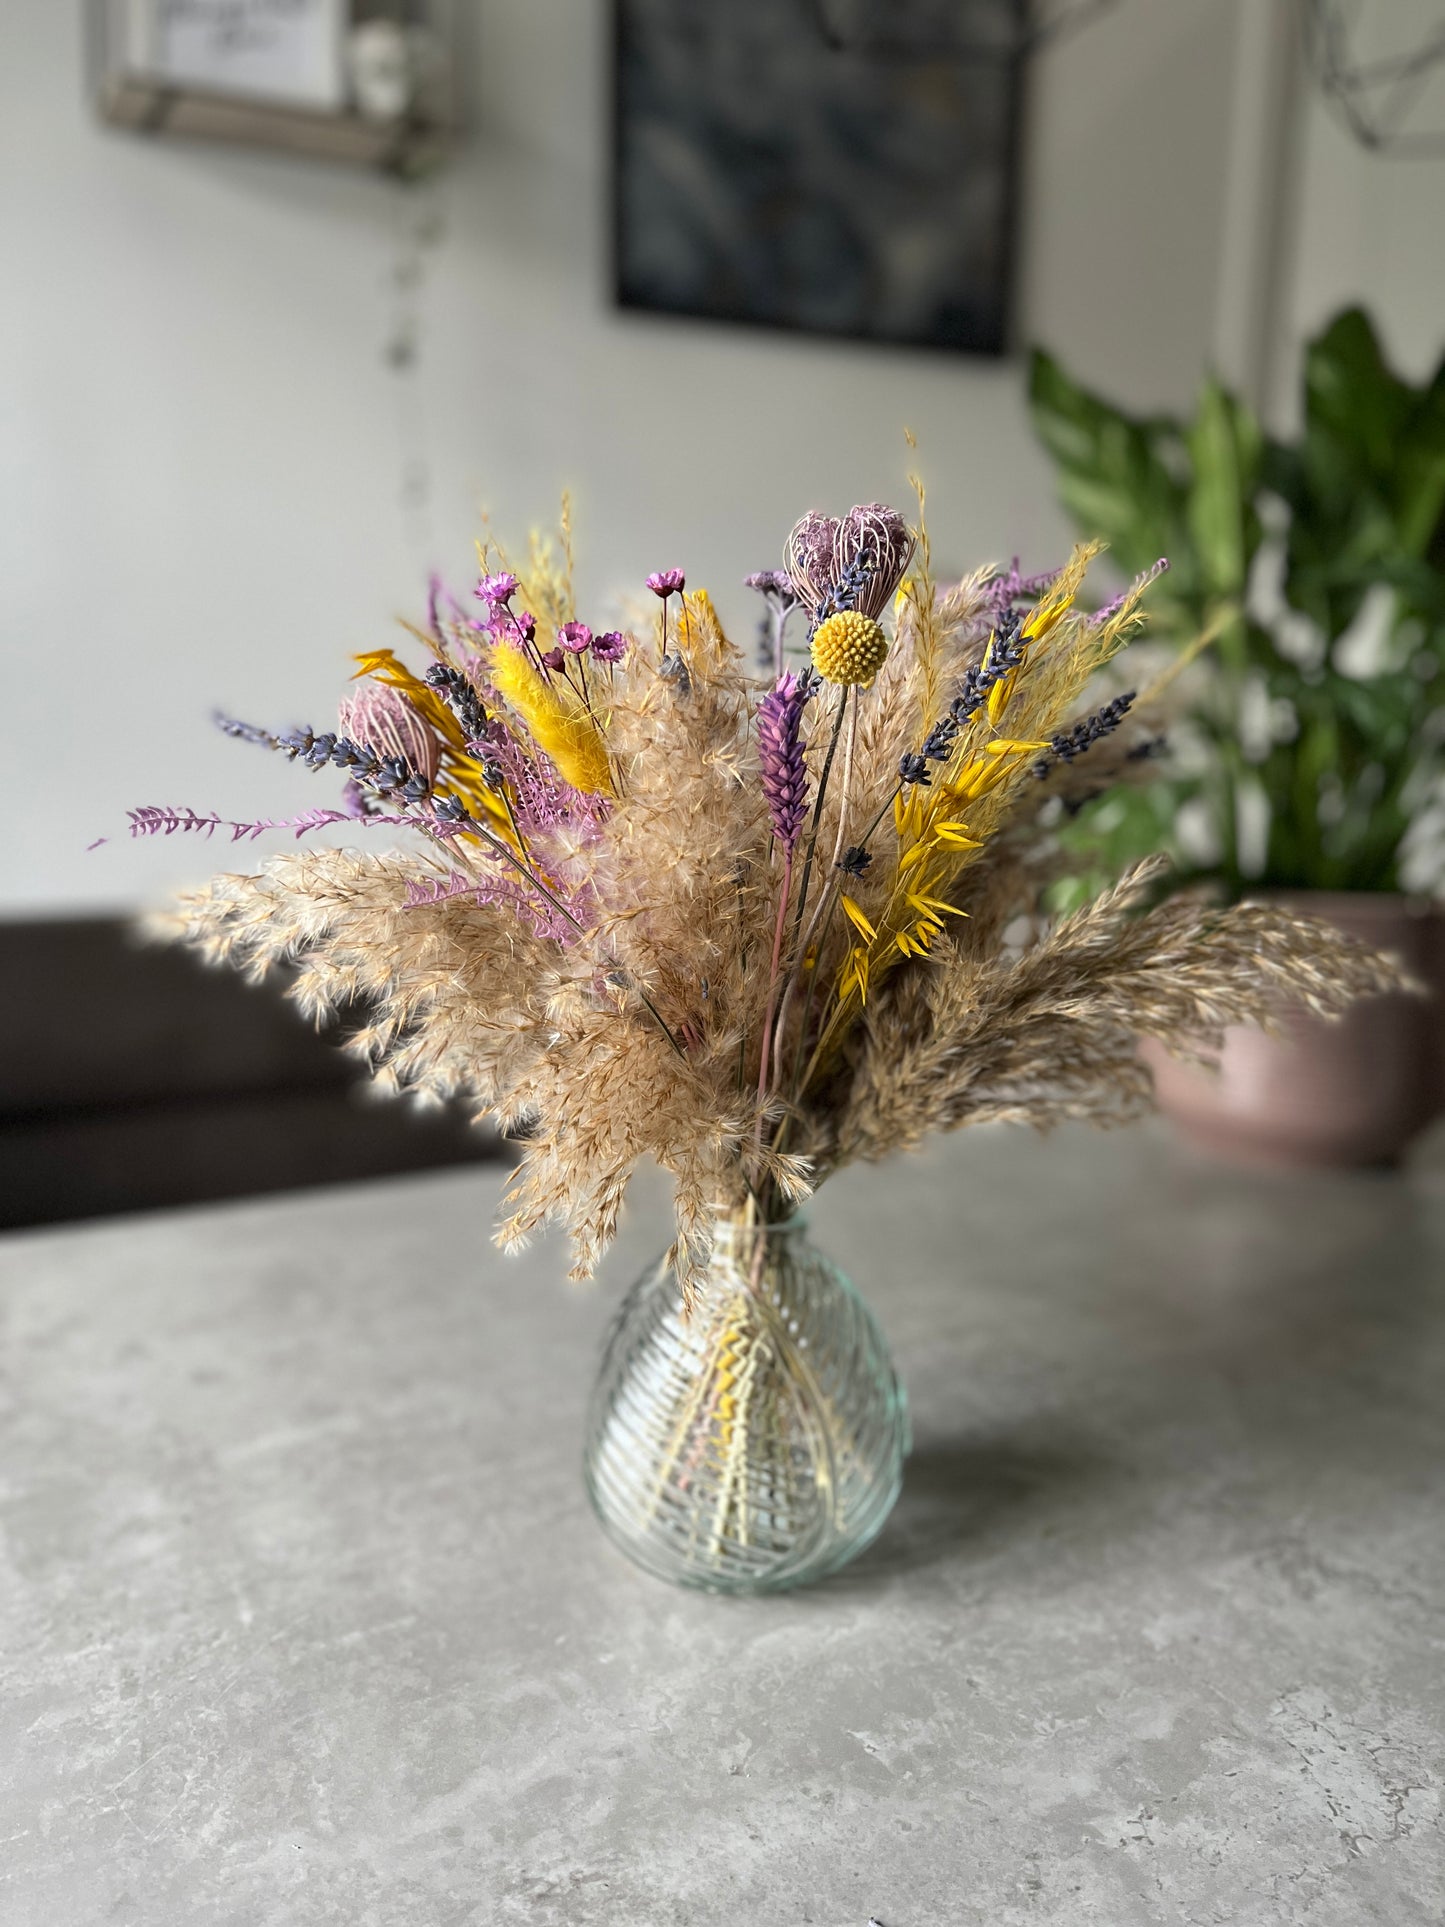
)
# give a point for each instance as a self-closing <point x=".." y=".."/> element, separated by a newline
<point x="734" y="1233"/>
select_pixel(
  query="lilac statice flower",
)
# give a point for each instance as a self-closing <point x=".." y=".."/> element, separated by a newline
<point x="499" y="588"/>
<point x="782" y="770"/>
<point x="611" y="646"/>
<point x="666" y="582"/>
<point x="574" y="637"/>
<point x="774" y="585"/>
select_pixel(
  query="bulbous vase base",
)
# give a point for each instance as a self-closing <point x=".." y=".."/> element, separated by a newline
<point x="755" y="1440"/>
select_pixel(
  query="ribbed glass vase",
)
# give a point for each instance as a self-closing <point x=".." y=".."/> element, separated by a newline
<point x="756" y="1442"/>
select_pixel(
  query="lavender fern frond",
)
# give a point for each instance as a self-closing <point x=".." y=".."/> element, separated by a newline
<point x="1140" y="582"/>
<point x="159" y="819"/>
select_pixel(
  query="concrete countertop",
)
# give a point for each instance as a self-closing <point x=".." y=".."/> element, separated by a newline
<point x="303" y="1618"/>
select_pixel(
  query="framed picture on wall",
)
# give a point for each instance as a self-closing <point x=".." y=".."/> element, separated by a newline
<point x="844" y="167"/>
<point x="287" y="51"/>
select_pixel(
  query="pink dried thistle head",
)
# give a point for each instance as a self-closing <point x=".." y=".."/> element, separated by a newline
<point x="869" y="548"/>
<point x="384" y="720"/>
<point x="808" y="557"/>
<point x="877" y="536"/>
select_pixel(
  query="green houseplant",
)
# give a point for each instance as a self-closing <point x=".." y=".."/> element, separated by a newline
<point x="1310" y="752"/>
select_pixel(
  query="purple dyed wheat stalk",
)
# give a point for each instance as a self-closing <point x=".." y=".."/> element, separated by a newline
<point x="782" y="770"/>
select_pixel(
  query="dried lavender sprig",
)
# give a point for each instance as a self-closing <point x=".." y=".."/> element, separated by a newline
<point x="844" y="592"/>
<point x="460" y="697"/>
<point x="1069" y="743"/>
<point x="1005" y="654"/>
<point x="388" y="776"/>
<point x="1151" y="746"/>
<point x="245" y="732"/>
<point x="782" y="771"/>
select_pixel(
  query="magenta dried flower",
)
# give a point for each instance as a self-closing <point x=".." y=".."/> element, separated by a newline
<point x="555" y="660"/>
<point x="780" y="756"/>
<point x="522" y="626"/>
<point x="574" y="637"/>
<point x="494" y="589"/>
<point x="666" y="582"/>
<point x="611" y="645"/>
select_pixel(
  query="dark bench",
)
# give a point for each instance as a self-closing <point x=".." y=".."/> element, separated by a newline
<point x="132" y="1077"/>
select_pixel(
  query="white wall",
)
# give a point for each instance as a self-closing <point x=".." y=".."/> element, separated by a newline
<point x="204" y="454"/>
<point x="1370" y="228"/>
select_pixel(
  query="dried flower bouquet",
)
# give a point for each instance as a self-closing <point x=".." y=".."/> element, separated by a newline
<point x="650" y="908"/>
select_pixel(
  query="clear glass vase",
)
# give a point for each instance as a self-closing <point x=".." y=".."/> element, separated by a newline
<point x="756" y="1442"/>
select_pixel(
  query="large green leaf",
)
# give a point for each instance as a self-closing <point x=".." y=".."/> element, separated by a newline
<point x="1224" y="444"/>
<point x="1364" y="486"/>
<point x="1351" y="397"/>
<point x="1114" y="477"/>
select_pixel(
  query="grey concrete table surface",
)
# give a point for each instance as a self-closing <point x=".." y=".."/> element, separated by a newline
<point x="305" y="1620"/>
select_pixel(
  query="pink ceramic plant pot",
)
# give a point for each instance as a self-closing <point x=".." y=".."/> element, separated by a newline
<point x="1353" y="1092"/>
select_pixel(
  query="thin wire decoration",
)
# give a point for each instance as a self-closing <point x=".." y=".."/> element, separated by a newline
<point x="1382" y="101"/>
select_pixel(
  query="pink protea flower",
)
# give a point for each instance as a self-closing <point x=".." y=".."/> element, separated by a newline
<point x="382" y="719"/>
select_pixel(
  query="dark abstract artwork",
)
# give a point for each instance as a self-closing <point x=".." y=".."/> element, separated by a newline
<point x="779" y="164"/>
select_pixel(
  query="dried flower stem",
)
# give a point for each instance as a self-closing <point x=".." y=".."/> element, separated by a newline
<point x="764" y="1053"/>
<point x="818" y="810"/>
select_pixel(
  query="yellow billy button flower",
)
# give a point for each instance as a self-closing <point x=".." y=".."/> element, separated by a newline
<point x="849" y="648"/>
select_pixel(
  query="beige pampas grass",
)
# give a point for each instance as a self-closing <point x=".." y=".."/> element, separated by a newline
<point x="627" y="925"/>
